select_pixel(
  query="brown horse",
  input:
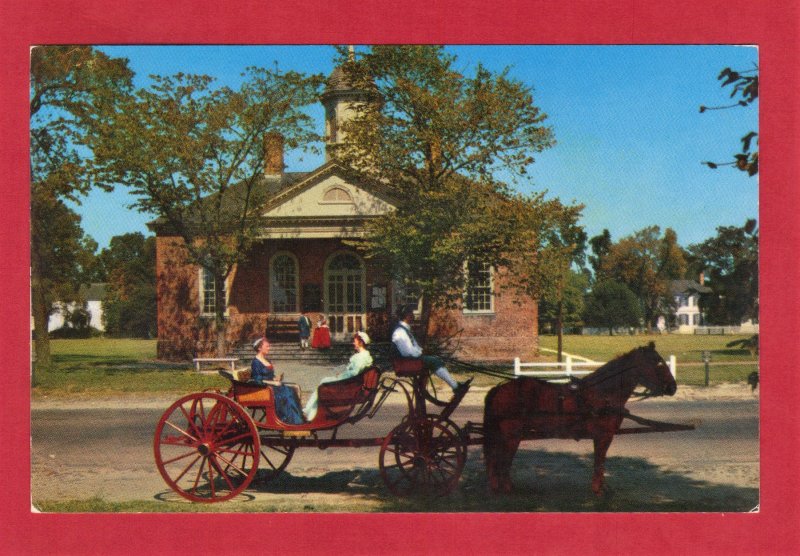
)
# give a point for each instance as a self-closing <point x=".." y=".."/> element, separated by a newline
<point x="593" y="407"/>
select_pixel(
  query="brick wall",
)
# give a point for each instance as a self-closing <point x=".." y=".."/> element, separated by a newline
<point x="511" y="330"/>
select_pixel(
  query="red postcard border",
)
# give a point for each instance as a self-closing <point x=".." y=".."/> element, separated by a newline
<point x="771" y="24"/>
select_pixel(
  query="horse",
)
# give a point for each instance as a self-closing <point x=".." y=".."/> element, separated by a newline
<point x="592" y="407"/>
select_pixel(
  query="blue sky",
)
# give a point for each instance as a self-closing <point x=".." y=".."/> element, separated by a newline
<point x="629" y="134"/>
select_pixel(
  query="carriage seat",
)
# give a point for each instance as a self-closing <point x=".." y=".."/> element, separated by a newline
<point x="407" y="366"/>
<point x="248" y="392"/>
<point x="338" y="399"/>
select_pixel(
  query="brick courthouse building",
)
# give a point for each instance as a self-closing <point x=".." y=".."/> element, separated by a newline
<point x="301" y="262"/>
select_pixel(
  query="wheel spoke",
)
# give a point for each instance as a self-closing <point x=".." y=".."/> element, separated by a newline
<point x="227" y="479"/>
<point x="199" y="474"/>
<point x="188" y="467"/>
<point x="183" y="456"/>
<point x="180" y="430"/>
<point x="231" y="464"/>
<point x="190" y="421"/>
<point x="211" y="478"/>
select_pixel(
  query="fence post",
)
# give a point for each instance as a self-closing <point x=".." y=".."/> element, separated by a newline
<point x="672" y="367"/>
<point x="706" y="361"/>
<point x="569" y="366"/>
<point x="516" y="366"/>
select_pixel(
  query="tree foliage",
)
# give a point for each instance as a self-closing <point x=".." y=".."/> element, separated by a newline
<point x="438" y="139"/>
<point x="74" y="91"/>
<point x="601" y="245"/>
<point x="193" y="154"/>
<point x="612" y="305"/>
<point x="730" y="263"/>
<point x="129" y="308"/>
<point x="544" y="265"/>
<point x="646" y="262"/>
<point x="571" y="304"/>
<point x="744" y="86"/>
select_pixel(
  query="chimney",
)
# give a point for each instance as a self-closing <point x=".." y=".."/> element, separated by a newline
<point x="273" y="154"/>
<point x="702" y="278"/>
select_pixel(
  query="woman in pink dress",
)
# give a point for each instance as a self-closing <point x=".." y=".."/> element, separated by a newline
<point x="322" y="334"/>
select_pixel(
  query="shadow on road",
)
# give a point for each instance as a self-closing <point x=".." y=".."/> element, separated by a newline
<point x="543" y="482"/>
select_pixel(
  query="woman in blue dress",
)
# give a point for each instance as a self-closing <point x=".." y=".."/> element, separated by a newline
<point x="287" y="406"/>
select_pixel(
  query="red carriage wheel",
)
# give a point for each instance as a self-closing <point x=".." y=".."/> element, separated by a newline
<point x="422" y="456"/>
<point x="207" y="447"/>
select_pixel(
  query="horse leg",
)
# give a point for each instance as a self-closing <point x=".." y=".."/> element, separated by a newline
<point x="511" y="435"/>
<point x="490" y="455"/>
<point x="601" y="445"/>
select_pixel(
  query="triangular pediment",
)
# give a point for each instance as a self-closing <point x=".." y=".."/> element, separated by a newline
<point x="327" y="193"/>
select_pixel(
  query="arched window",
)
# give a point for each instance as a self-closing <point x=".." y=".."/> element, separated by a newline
<point x="283" y="283"/>
<point x="337" y="195"/>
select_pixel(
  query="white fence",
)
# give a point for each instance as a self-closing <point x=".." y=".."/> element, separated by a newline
<point x="568" y="368"/>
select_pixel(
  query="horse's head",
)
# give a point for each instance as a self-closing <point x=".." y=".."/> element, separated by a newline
<point x="654" y="373"/>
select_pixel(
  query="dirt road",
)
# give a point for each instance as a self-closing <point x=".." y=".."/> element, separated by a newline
<point x="103" y="449"/>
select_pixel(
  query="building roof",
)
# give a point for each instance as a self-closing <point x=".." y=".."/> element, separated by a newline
<point x="677" y="287"/>
<point x="267" y="188"/>
<point x="271" y="191"/>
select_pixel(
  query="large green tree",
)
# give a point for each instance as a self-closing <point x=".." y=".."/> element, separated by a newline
<point x="730" y="263"/>
<point x="438" y="138"/>
<point x="610" y="305"/>
<point x="571" y="306"/>
<point x="546" y="266"/>
<point x="193" y="153"/>
<point x="646" y="262"/>
<point x="129" y="266"/>
<point x="74" y="91"/>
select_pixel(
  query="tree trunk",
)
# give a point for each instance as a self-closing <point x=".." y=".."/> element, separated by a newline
<point x="424" y="321"/>
<point x="220" y="322"/>
<point x="41" y="320"/>
<point x="559" y="327"/>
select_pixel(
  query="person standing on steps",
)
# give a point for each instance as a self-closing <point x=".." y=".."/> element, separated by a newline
<point x="304" y="328"/>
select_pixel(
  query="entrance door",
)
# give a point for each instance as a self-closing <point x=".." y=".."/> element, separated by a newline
<point x="345" y="293"/>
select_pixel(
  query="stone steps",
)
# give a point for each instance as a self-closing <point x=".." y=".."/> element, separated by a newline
<point x="338" y="353"/>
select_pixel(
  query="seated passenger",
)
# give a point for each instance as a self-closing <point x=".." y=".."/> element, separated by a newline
<point x="287" y="406"/>
<point x="360" y="360"/>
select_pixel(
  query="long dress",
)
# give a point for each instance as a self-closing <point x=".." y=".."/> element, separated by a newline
<point x="322" y="337"/>
<point x="358" y="362"/>
<point x="287" y="406"/>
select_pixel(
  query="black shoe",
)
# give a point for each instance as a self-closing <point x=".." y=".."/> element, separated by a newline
<point x="462" y="386"/>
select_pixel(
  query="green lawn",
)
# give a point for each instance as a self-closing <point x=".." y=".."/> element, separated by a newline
<point x="100" y="366"/>
<point x="727" y="364"/>
<point x="105" y="366"/>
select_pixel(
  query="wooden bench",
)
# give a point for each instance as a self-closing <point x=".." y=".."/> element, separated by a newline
<point x="229" y="360"/>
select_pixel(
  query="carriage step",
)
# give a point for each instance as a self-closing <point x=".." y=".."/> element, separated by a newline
<point x="296" y="434"/>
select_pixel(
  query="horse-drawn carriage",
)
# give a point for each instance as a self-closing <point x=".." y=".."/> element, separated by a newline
<point x="210" y="446"/>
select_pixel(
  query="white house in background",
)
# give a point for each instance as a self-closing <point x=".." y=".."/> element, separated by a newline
<point x="686" y="295"/>
<point x="93" y="295"/>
